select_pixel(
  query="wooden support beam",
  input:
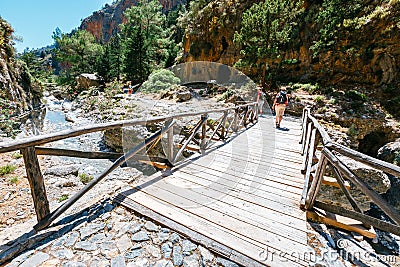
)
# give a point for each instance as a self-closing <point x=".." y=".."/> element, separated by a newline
<point x="365" y="188"/>
<point x="76" y="153"/>
<point x="36" y="182"/>
<point x="331" y="181"/>
<point x="353" y="226"/>
<point x="370" y="161"/>
<point x="379" y="224"/>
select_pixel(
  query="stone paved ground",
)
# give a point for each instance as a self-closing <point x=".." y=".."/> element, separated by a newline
<point x="109" y="235"/>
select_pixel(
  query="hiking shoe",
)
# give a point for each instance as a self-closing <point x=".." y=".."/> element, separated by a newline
<point x="278" y="126"/>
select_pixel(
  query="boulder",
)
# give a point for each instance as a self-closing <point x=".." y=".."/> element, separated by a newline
<point x="376" y="179"/>
<point x="63" y="170"/>
<point x="87" y="80"/>
<point x="390" y="152"/>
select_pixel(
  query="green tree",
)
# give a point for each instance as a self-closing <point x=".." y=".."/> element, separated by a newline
<point x="266" y="28"/>
<point x="145" y="40"/>
<point x="109" y="63"/>
<point x="331" y="17"/>
<point x="76" y="53"/>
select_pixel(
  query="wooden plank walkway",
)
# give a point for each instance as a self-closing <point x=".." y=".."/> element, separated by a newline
<point x="240" y="199"/>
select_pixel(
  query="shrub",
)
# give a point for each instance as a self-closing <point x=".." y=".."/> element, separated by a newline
<point x="63" y="197"/>
<point x="16" y="155"/>
<point x="9" y="168"/>
<point x="356" y="96"/>
<point x="160" y="80"/>
<point x="13" y="180"/>
<point x="319" y="99"/>
<point x="85" y="178"/>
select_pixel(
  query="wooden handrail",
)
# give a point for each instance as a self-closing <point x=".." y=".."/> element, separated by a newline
<point x="29" y="148"/>
<point x="311" y="186"/>
<point x="47" y="138"/>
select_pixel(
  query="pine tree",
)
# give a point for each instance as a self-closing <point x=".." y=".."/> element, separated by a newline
<point x="145" y="40"/>
<point x="266" y="28"/>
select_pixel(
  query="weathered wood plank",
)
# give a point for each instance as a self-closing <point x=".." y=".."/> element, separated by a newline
<point x="242" y="243"/>
<point x="230" y="207"/>
<point x="36" y="182"/>
<point x="244" y="231"/>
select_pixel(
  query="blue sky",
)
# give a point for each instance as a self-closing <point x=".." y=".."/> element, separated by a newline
<point x="36" y="20"/>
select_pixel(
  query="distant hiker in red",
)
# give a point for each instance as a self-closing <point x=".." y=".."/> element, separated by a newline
<point x="260" y="100"/>
<point x="281" y="101"/>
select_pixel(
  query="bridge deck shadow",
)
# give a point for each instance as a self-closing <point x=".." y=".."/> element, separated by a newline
<point x="240" y="199"/>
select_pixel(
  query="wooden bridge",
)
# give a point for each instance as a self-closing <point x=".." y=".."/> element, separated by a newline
<point x="244" y="189"/>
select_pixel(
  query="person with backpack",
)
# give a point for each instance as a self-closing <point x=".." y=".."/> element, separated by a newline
<point x="281" y="101"/>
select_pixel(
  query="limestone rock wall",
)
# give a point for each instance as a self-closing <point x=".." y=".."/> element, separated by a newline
<point x="103" y="24"/>
<point x="15" y="81"/>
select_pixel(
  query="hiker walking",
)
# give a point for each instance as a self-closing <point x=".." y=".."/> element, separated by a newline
<point x="281" y="101"/>
<point x="260" y="100"/>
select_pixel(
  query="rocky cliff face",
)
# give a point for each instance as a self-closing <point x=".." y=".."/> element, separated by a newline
<point x="15" y="80"/>
<point x="103" y="24"/>
<point x="368" y="55"/>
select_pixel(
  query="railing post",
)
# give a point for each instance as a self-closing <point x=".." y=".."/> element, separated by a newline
<point x="306" y="148"/>
<point x="170" y="144"/>
<point x="235" y="120"/>
<point x="203" y="133"/>
<point x="36" y="182"/>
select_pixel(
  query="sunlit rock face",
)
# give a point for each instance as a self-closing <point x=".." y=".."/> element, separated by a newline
<point x="103" y="24"/>
<point x="15" y="81"/>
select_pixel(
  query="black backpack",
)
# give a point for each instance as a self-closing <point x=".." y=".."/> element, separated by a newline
<point x="281" y="98"/>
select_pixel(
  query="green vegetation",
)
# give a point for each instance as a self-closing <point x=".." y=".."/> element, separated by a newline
<point x="13" y="180"/>
<point x="319" y="99"/>
<point x="352" y="131"/>
<point x="6" y="169"/>
<point x="396" y="160"/>
<point x="308" y="87"/>
<point x="266" y="28"/>
<point x="146" y="41"/>
<point x="85" y="178"/>
<point x="16" y="155"/>
<point x="160" y="80"/>
<point x="77" y="53"/>
<point x="63" y="197"/>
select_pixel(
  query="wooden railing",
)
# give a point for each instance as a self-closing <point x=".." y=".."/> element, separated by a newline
<point x="319" y="151"/>
<point x="229" y="121"/>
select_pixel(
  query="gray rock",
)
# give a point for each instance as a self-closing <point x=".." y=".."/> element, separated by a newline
<point x="177" y="256"/>
<point x="124" y="243"/>
<point x="142" y="262"/>
<point x="188" y="247"/>
<point x="226" y="263"/>
<point x="206" y="255"/>
<point x="191" y="261"/>
<point x="390" y="152"/>
<point x="134" y="253"/>
<point x="118" y="261"/>
<point x="175" y="238"/>
<point x="91" y="229"/>
<point x="85" y="245"/>
<point x="135" y="228"/>
<point x="166" y="249"/>
<point x="64" y="254"/>
<point x="71" y="239"/>
<point x="150" y="226"/>
<point x="153" y="251"/>
<point x="36" y="260"/>
<point x="98" y="238"/>
<point x="73" y="264"/>
<point x="163" y="263"/>
<point x="62" y="170"/>
<point x="21" y="258"/>
<point x="162" y="236"/>
<point x="140" y="236"/>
